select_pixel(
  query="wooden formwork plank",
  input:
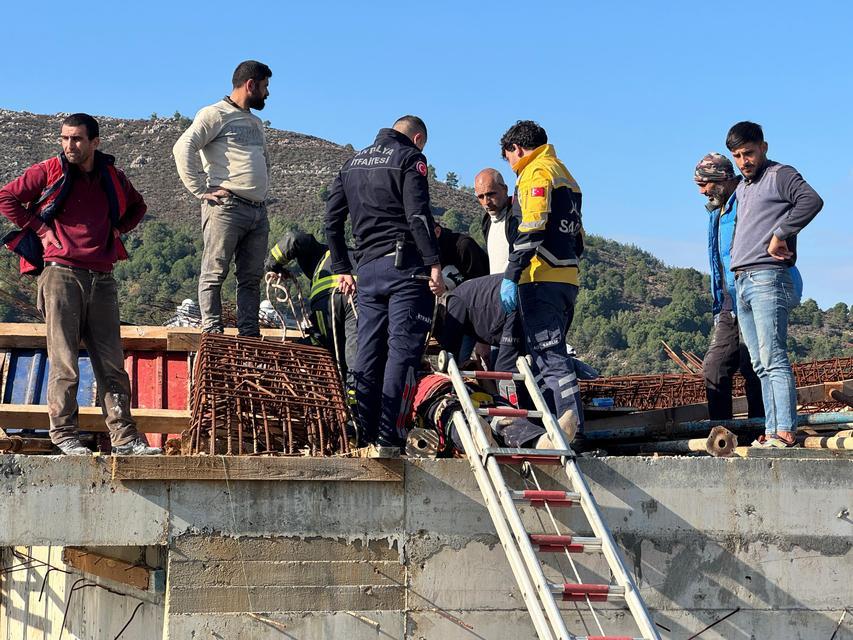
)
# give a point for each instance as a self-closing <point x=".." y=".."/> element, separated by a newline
<point x="34" y="416"/>
<point x="106" y="567"/>
<point x="31" y="335"/>
<point x="255" y="468"/>
<point x="187" y="338"/>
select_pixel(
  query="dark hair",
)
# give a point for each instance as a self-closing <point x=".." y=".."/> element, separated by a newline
<point x="83" y="120"/>
<point x="526" y="134"/>
<point x="744" y="133"/>
<point x="250" y="70"/>
<point x="413" y="124"/>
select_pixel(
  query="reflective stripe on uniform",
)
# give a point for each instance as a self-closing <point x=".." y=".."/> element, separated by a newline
<point x="567" y="379"/>
<point x="276" y="253"/>
<point x="533" y="225"/>
<point x="554" y="260"/>
<point x="323" y="284"/>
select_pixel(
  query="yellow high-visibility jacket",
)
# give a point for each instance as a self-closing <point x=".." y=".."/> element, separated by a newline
<point x="547" y="203"/>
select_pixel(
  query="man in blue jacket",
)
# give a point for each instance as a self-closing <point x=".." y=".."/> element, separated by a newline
<point x="774" y="205"/>
<point x="383" y="190"/>
<point x="716" y="179"/>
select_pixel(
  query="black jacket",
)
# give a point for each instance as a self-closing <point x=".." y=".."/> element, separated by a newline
<point x="299" y="246"/>
<point x="510" y="228"/>
<point x="383" y="189"/>
<point x="463" y="252"/>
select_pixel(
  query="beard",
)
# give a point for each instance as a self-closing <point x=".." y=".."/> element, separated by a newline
<point x="257" y="102"/>
<point x="715" y="202"/>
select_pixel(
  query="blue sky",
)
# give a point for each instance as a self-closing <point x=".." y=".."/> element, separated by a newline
<point x="631" y="94"/>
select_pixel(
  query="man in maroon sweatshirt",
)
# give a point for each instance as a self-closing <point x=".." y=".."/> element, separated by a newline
<point x="72" y="210"/>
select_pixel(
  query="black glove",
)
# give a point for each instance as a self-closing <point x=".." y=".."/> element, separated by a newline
<point x="272" y="265"/>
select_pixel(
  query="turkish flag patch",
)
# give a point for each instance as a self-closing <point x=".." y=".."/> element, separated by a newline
<point x="422" y="168"/>
<point x="537" y="192"/>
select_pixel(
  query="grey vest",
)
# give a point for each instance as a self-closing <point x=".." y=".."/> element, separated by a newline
<point x="760" y="210"/>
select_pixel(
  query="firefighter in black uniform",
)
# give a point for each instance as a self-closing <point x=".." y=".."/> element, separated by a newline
<point x="383" y="190"/>
<point x="333" y="314"/>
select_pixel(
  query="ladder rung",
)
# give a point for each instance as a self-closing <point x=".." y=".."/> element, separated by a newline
<point x="492" y="375"/>
<point x="549" y="543"/>
<point x="538" y="498"/>
<point x="595" y="592"/>
<point x="506" y="455"/>
<point x="509" y="412"/>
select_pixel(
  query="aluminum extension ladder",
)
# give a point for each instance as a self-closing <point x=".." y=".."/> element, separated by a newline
<point x="519" y="545"/>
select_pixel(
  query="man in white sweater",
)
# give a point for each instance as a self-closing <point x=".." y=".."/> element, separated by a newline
<point x="491" y="190"/>
<point x="222" y="159"/>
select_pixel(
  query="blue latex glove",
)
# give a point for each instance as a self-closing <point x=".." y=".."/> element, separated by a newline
<point x="509" y="295"/>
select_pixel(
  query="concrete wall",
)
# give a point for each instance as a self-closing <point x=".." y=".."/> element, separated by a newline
<point x="41" y="598"/>
<point x="419" y="559"/>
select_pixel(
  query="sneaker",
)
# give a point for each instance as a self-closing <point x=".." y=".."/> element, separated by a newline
<point x="136" y="447"/>
<point x="73" y="447"/>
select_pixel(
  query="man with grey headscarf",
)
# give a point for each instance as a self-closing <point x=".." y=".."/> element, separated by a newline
<point x="716" y="179"/>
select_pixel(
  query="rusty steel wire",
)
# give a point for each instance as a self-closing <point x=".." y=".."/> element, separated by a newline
<point x="252" y="397"/>
<point x="643" y="392"/>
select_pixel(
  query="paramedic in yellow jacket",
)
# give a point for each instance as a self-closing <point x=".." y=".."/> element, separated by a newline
<point x="541" y="277"/>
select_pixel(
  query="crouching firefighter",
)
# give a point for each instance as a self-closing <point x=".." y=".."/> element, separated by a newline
<point x="333" y="314"/>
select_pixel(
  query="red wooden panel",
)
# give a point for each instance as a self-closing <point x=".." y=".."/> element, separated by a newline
<point x="158" y="380"/>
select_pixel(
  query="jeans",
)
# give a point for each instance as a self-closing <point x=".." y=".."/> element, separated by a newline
<point x="547" y="309"/>
<point x="238" y="230"/>
<point x="764" y="298"/>
<point x="83" y="305"/>
<point x="394" y="318"/>
<point x="726" y="354"/>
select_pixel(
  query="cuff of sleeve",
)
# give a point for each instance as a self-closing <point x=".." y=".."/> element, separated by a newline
<point x="780" y="234"/>
<point x="39" y="227"/>
<point x="431" y="260"/>
<point x="512" y="273"/>
<point x="341" y="268"/>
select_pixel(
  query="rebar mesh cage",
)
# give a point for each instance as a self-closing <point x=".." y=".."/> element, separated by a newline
<point x="660" y="391"/>
<point x="252" y="396"/>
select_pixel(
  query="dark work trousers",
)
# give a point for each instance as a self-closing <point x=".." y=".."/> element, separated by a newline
<point x="335" y="319"/>
<point x="234" y="230"/>
<point x="547" y="309"/>
<point x="726" y="354"/>
<point x="458" y="325"/>
<point x="78" y="304"/>
<point x="394" y="317"/>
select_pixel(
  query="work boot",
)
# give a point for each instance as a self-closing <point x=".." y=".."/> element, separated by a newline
<point x="568" y="423"/>
<point x="136" y="447"/>
<point x="73" y="447"/>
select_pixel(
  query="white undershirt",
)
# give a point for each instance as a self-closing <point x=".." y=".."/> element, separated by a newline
<point x="497" y="246"/>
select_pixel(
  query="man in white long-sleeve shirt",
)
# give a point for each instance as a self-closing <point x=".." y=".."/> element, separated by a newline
<point x="498" y="220"/>
<point x="222" y="160"/>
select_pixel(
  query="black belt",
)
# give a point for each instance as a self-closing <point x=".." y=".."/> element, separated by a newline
<point x="50" y="263"/>
<point x="251" y="203"/>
